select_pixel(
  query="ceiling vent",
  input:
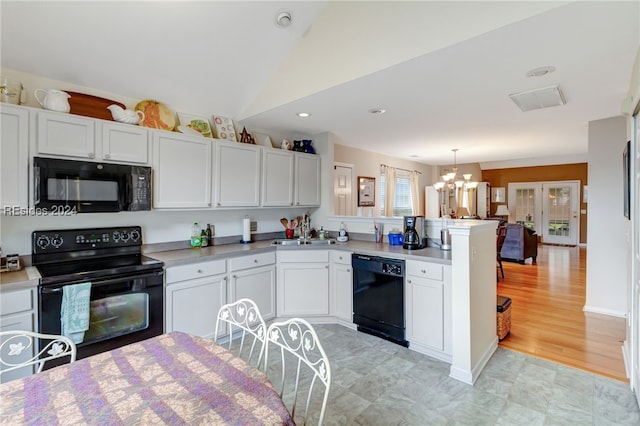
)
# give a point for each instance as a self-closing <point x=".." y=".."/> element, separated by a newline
<point x="538" y="98"/>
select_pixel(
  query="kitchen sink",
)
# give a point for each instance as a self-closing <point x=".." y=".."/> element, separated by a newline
<point x="324" y="242"/>
<point x="298" y="242"/>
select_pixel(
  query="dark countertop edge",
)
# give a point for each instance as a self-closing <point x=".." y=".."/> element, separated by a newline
<point x="190" y="256"/>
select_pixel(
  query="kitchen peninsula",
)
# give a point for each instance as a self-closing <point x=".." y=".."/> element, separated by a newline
<point x="473" y="289"/>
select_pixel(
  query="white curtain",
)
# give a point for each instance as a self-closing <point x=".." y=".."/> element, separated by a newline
<point x="415" y="193"/>
<point x="389" y="190"/>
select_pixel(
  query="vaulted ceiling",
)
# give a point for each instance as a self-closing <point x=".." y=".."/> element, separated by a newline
<point x="442" y="70"/>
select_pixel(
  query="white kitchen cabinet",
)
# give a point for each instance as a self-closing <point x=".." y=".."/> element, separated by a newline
<point x="307" y="180"/>
<point x="65" y="134"/>
<point x="254" y="277"/>
<point x="181" y="171"/>
<point x="237" y="175"/>
<point x="125" y="143"/>
<point x="18" y="313"/>
<point x="428" y="308"/>
<point x="195" y="294"/>
<point x="341" y="286"/>
<point x="69" y="135"/>
<point x="277" y="178"/>
<point x="303" y="283"/>
<point x="14" y="156"/>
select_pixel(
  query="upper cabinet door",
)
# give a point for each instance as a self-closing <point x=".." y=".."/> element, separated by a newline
<point x="181" y="171"/>
<point x="237" y="175"/>
<point x="14" y="156"/>
<point x="307" y="180"/>
<point x="125" y="142"/>
<point x="65" y="134"/>
<point x="277" y="178"/>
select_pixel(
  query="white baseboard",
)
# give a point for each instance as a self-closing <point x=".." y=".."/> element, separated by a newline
<point x="470" y="376"/>
<point x="439" y="355"/>
<point x="626" y="357"/>
<point x="604" y="311"/>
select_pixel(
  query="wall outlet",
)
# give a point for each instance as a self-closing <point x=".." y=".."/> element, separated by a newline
<point x="253" y="226"/>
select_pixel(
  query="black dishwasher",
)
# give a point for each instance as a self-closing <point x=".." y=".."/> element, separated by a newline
<point x="378" y="297"/>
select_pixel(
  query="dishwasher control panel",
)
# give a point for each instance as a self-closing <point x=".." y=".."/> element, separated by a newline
<point x="392" y="269"/>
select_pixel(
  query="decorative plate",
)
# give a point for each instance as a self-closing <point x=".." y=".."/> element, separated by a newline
<point x="224" y="128"/>
<point x="156" y="115"/>
<point x="189" y="131"/>
<point x="198" y="124"/>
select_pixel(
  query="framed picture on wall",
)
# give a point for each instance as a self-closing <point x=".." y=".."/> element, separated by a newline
<point x="498" y="195"/>
<point x="366" y="191"/>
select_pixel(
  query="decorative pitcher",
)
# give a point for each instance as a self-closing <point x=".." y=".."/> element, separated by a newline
<point x="54" y="99"/>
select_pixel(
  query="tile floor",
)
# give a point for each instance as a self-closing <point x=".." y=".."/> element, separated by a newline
<point x="379" y="383"/>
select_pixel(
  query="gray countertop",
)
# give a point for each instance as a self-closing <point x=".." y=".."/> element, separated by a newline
<point x="187" y="256"/>
<point x="29" y="277"/>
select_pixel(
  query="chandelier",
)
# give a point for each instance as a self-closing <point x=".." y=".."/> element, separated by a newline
<point x="459" y="187"/>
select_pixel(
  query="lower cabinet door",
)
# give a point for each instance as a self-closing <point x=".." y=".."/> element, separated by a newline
<point x="342" y="292"/>
<point x="303" y="289"/>
<point x="192" y="306"/>
<point x="21" y="321"/>
<point x="259" y="285"/>
<point x="425" y="312"/>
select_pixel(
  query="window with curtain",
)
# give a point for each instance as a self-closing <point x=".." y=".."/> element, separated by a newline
<point x="402" y="198"/>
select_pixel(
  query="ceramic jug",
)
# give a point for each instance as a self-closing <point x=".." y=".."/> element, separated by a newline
<point x="285" y="144"/>
<point x="128" y="116"/>
<point x="54" y="99"/>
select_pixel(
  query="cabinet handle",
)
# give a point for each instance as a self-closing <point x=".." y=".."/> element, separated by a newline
<point x="409" y="281"/>
<point x="290" y="204"/>
<point x="218" y="204"/>
<point x="326" y="266"/>
<point x="348" y="269"/>
<point x="255" y="260"/>
<point x="340" y="257"/>
<point x="234" y="276"/>
<point x="423" y="271"/>
<point x="107" y="156"/>
<point x="91" y="155"/>
<point x="199" y="271"/>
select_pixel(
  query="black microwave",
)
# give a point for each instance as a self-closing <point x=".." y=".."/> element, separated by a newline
<point x="87" y="187"/>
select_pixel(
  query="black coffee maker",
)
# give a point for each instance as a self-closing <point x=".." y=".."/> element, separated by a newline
<point x="415" y="233"/>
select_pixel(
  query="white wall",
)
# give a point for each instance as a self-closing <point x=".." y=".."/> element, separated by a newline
<point x="607" y="227"/>
<point x="157" y="226"/>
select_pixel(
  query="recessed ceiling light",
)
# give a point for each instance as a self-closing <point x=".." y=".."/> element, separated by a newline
<point x="284" y="19"/>
<point x="539" y="72"/>
<point x="303" y="114"/>
<point x="377" y="110"/>
<point x="414" y="156"/>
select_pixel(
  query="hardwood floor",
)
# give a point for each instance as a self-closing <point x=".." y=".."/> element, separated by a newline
<point x="547" y="320"/>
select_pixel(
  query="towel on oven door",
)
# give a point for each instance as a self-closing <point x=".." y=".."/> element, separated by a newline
<point x="74" y="312"/>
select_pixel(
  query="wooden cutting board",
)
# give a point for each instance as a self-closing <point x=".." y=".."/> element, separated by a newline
<point x="91" y="106"/>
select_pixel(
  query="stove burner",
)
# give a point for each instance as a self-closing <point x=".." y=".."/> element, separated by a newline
<point x="76" y="255"/>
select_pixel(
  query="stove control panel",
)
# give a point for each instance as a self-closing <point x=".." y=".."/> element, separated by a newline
<point x="83" y="239"/>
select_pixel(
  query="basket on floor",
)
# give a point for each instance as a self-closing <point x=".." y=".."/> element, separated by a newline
<point x="503" y="316"/>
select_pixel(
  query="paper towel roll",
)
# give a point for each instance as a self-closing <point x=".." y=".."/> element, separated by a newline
<point x="246" y="229"/>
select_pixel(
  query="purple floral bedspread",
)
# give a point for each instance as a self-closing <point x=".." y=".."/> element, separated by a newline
<point x="174" y="379"/>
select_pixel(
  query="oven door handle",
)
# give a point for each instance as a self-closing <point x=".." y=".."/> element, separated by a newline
<point x="100" y="283"/>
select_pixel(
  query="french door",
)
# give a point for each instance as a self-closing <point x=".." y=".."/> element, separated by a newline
<point x="550" y="208"/>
